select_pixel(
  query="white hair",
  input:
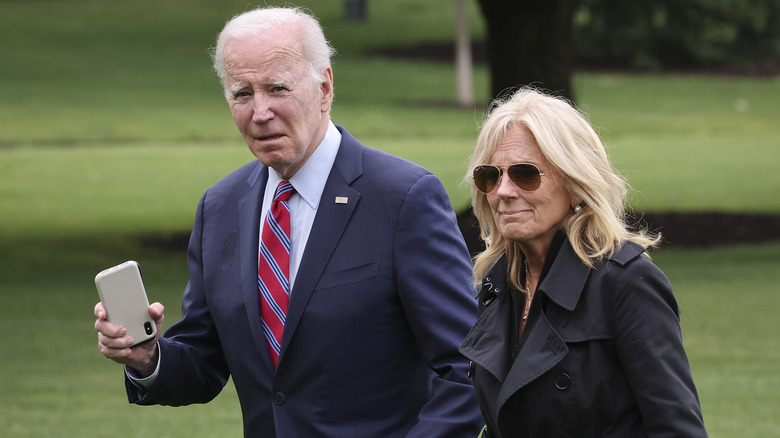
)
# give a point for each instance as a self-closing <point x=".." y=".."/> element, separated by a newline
<point x="317" y="49"/>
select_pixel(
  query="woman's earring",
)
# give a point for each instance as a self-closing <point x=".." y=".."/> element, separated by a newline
<point x="577" y="209"/>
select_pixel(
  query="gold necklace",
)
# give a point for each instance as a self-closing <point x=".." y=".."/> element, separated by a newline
<point x="529" y="295"/>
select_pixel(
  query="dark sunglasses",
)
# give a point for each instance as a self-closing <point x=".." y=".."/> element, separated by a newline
<point x="525" y="176"/>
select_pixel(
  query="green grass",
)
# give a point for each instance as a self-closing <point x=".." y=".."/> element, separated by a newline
<point x="55" y="383"/>
<point x="729" y="307"/>
<point x="112" y="125"/>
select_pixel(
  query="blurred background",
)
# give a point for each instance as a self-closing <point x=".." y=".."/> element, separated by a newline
<point x="112" y="124"/>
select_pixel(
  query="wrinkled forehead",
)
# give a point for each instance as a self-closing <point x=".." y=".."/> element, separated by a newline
<point x="264" y="45"/>
<point x="263" y="53"/>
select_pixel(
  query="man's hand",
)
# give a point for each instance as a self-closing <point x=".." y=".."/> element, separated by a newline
<point x="114" y="343"/>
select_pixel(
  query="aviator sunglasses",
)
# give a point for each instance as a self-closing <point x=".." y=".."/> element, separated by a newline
<point x="525" y="176"/>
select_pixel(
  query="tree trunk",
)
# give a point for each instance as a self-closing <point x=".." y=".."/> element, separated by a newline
<point x="356" y="10"/>
<point x="530" y="43"/>
<point x="463" y="64"/>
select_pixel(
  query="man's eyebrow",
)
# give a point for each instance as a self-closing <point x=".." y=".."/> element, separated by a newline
<point x="236" y="88"/>
<point x="280" y="82"/>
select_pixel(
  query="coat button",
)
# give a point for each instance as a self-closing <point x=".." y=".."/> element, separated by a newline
<point x="562" y="381"/>
<point x="280" y="398"/>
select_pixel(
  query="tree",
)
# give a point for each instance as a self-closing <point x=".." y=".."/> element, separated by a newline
<point x="653" y="35"/>
<point x="529" y="42"/>
<point x="356" y="10"/>
<point x="463" y="64"/>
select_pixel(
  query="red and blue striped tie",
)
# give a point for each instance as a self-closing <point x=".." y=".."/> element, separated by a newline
<point x="273" y="272"/>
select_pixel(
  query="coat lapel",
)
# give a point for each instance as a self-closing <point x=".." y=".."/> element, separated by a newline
<point x="329" y="224"/>
<point x="543" y="348"/>
<point x="487" y="343"/>
<point x="249" y="230"/>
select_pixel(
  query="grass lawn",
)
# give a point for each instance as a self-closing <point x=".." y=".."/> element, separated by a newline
<point x="112" y="125"/>
<point x="56" y="384"/>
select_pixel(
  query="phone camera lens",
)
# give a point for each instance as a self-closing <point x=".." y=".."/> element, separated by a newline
<point x="148" y="327"/>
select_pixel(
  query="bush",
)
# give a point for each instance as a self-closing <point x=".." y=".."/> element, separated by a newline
<point x="659" y="34"/>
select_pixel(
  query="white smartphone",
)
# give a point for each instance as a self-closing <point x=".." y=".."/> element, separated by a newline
<point x="121" y="289"/>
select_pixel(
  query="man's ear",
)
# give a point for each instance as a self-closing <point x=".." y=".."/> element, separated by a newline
<point x="326" y="90"/>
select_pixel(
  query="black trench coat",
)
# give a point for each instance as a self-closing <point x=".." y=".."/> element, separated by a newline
<point x="601" y="356"/>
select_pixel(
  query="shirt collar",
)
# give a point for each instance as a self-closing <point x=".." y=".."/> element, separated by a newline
<point x="309" y="181"/>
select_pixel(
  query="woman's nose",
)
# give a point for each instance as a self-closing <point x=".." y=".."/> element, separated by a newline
<point x="505" y="188"/>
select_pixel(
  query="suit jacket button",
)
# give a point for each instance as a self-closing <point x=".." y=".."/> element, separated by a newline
<point x="562" y="381"/>
<point x="280" y="398"/>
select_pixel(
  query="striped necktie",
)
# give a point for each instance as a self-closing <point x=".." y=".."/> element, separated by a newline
<point x="273" y="272"/>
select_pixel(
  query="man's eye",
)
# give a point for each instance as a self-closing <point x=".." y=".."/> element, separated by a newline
<point x="278" y="89"/>
<point x="241" y="94"/>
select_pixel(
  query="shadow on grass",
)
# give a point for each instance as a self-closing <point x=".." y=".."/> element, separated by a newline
<point x="692" y="229"/>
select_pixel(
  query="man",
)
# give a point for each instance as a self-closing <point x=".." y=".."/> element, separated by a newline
<point x="360" y="336"/>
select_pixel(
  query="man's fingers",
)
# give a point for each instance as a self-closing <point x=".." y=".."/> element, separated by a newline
<point x="156" y="310"/>
<point x="110" y="329"/>
<point x="115" y="343"/>
<point x="100" y="311"/>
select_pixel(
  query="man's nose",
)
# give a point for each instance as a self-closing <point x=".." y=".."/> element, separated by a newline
<point x="261" y="108"/>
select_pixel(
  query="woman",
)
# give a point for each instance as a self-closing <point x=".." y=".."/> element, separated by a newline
<point x="578" y="332"/>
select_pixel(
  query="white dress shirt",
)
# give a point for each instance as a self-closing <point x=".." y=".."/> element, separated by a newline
<point x="309" y="183"/>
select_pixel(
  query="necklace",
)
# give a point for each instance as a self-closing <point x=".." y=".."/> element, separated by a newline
<point x="529" y="294"/>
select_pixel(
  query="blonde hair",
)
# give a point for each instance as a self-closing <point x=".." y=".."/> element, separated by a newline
<point x="573" y="148"/>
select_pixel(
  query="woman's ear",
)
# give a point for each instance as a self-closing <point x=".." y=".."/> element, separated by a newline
<point x="576" y="201"/>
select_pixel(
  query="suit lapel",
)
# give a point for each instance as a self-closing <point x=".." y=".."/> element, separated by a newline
<point x="329" y="224"/>
<point x="249" y="230"/>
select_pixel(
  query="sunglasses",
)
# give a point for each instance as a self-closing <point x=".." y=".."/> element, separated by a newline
<point x="525" y="176"/>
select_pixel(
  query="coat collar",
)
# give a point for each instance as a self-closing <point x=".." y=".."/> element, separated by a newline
<point x="487" y="344"/>
<point x="566" y="278"/>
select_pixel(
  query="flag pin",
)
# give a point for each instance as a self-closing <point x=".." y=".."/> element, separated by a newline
<point x="341" y="199"/>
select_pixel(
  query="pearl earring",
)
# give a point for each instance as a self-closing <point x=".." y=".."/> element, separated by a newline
<point x="577" y="209"/>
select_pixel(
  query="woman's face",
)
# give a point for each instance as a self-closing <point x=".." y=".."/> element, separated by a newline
<point x="528" y="218"/>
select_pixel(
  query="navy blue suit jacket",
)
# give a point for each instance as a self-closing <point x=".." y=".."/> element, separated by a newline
<point x="381" y="302"/>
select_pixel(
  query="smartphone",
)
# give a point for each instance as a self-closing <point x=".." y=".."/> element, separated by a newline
<point x="121" y="289"/>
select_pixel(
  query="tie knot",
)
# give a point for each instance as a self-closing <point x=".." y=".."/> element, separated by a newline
<point x="283" y="191"/>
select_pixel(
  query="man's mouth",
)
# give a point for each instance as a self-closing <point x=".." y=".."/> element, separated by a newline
<point x="270" y="137"/>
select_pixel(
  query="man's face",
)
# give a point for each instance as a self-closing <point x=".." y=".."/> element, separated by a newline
<point x="278" y="108"/>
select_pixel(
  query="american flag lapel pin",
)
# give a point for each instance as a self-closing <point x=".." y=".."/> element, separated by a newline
<point x="341" y="199"/>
